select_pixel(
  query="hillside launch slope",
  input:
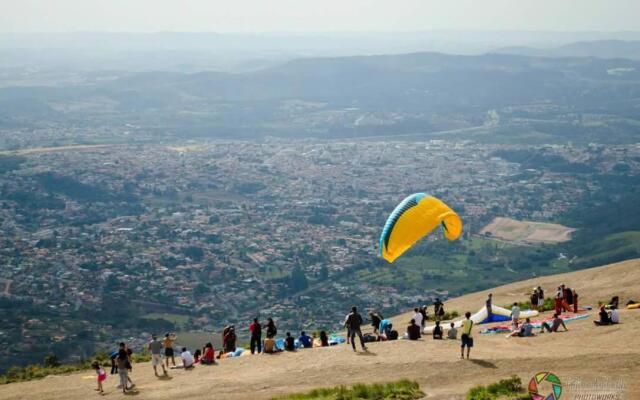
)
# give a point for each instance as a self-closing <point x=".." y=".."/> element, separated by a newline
<point x="585" y="352"/>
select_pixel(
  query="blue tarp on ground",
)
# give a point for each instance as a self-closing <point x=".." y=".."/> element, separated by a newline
<point x="495" y="318"/>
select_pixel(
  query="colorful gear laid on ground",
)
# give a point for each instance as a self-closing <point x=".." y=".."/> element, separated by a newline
<point x="541" y="377"/>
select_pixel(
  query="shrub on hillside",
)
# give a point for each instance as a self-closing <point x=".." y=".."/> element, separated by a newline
<point x="400" y="390"/>
<point x="448" y="315"/>
<point x="548" y="305"/>
<point x="510" y="388"/>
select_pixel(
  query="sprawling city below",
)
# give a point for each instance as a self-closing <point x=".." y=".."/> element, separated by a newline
<point x="106" y="242"/>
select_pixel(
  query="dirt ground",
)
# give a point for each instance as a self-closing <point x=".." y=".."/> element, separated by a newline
<point x="597" y="357"/>
<point x="526" y="231"/>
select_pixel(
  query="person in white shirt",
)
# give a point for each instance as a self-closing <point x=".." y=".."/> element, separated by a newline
<point x="417" y="316"/>
<point x="515" y="315"/>
<point x="187" y="358"/>
<point x="614" y="317"/>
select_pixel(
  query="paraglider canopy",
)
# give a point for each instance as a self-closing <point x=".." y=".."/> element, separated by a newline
<point x="415" y="217"/>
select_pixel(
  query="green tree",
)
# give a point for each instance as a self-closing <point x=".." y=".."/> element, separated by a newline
<point x="298" y="280"/>
<point x="51" y="360"/>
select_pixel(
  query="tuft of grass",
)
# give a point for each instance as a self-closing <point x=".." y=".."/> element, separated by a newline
<point x="400" y="390"/>
<point x="548" y="305"/>
<point x="510" y="388"/>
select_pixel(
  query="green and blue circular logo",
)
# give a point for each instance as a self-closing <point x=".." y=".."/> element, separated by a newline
<point x="545" y="386"/>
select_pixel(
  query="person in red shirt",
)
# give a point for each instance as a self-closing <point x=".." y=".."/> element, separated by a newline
<point x="256" y="336"/>
<point x="208" y="355"/>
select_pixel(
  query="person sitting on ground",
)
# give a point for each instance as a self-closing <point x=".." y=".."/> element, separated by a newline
<point x="392" y="333"/>
<point x="613" y="303"/>
<point x="187" y="359"/>
<point x="555" y="325"/>
<point x="437" y="331"/>
<point x="324" y="339"/>
<point x="272" y="331"/>
<point x="270" y="346"/>
<point x="305" y="340"/>
<point x="614" y="316"/>
<point x="525" y="330"/>
<point x="375" y="321"/>
<point x="197" y="356"/>
<point x="208" y="355"/>
<point x="289" y="342"/>
<point x="604" y="317"/>
<point x="413" y="330"/>
<point x="453" y="332"/>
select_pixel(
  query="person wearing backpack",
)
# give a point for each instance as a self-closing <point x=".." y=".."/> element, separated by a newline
<point x="467" y="336"/>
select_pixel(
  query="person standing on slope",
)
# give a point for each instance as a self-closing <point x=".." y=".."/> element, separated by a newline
<point x="123" y="368"/>
<point x="488" y="304"/>
<point x="558" y="300"/>
<point x="353" y="323"/>
<point x="515" y="316"/>
<point x="437" y="309"/>
<point x="417" y="316"/>
<point x="169" y="338"/>
<point x="256" y="336"/>
<point x="423" y="312"/>
<point x="155" y="348"/>
<point x="467" y="336"/>
<point x="534" y="299"/>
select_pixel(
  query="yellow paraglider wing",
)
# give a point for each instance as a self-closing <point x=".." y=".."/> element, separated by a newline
<point x="415" y="217"/>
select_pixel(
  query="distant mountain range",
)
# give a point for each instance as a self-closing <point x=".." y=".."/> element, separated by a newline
<point x="629" y="49"/>
<point x="352" y="97"/>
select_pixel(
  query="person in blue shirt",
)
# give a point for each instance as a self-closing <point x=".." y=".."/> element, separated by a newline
<point x="305" y="340"/>
<point x="526" y="330"/>
<point x="114" y="366"/>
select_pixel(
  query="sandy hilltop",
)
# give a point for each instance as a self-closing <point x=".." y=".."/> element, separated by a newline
<point x="586" y="353"/>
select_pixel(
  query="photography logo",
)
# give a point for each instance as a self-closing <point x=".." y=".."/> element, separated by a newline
<point x="545" y="386"/>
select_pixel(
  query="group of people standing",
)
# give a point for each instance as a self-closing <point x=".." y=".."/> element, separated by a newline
<point x="565" y="299"/>
<point x="121" y="364"/>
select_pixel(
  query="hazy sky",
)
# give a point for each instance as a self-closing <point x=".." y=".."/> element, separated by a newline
<point x="316" y="15"/>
